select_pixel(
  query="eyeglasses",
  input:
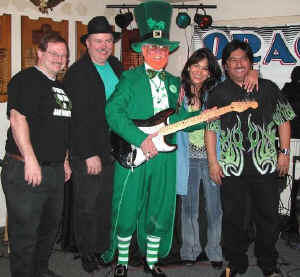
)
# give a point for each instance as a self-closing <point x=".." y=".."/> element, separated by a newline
<point x="154" y="47"/>
<point x="56" y="55"/>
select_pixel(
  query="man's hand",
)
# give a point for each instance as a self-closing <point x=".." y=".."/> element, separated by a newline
<point x="93" y="165"/>
<point x="148" y="147"/>
<point x="283" y="164"/>
<point x="251" y="81"/>
<point x="32" y="172"/>
<point x="216" y="173"/>
<point x="67" y="169"/>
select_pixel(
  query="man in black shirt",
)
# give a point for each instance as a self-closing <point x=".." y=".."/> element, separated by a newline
<point x="36" y="164"/>
<point x="248" y="161"/>
<point x="89" y="82"/>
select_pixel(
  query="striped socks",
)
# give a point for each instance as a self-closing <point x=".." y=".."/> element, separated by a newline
<point x="152" y="250"/>
<point x="123" y="247"/>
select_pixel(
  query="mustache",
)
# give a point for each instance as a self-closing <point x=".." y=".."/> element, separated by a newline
<point x="102" y="50"/>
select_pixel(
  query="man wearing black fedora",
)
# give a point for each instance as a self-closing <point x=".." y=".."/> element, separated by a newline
<point x="89" y="82"/>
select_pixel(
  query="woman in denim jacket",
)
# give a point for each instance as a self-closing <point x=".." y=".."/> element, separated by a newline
<point x="200" y="74"/>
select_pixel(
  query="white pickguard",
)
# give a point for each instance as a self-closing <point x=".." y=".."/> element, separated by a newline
<point x="158" y="141"/>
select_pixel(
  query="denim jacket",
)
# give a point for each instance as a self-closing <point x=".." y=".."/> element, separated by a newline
<point x="182" y="158"/>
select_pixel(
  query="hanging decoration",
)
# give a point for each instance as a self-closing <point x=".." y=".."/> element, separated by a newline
<point x="44" y="5"/>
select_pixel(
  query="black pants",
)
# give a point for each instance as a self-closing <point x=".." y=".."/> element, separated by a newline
<point x="34" y="214"/>
<point x="261" y="195"/>
<point x="92" y="207"/>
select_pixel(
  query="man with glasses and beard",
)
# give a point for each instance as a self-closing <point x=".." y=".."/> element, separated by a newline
<point x="144" y="197"/>
<point x="36" y="164"/>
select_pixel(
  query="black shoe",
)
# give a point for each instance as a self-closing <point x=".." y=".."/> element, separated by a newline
<point x="216" y="265"/>
<point x="90" y="263"/>
<point x="233" y="272"/>
<point x="155" y="271"/>
<point x="275" y="272"/>
<point x="100" y="261"/>
<point x="202" y="257"/>
<point x="121" y="271"/>
<point x="188" y="262"/>
<point x="50" y="273"/>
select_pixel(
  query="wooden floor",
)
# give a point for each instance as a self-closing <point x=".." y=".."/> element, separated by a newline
<point x="67" y="266"/>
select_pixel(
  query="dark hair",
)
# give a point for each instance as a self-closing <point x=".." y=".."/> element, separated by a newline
<point x="51" y="37"/>
<point x="233" y="45"/>
<point x="213" y="68"/>
<point x="295" y="76"/>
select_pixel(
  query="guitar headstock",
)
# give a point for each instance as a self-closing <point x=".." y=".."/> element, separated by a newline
<point x="243" y="106"/>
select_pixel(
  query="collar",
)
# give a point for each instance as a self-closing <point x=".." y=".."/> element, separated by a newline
<point x="39" y="69"/>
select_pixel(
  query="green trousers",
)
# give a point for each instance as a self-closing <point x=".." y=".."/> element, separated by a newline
<point x="144" y="200"/>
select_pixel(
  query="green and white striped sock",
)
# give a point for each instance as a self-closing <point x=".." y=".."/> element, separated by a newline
<point x="123" y="247"/>
<point x="152" y="250"/>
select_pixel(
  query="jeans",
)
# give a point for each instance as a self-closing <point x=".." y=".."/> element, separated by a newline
<point x="191" y="247"/>
<point x="92" y="207"/>
<point x="34" y="214"/>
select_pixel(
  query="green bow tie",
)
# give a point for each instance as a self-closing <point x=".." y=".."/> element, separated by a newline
<point x="152" y="73"/>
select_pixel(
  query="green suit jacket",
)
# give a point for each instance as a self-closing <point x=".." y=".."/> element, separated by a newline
<point x="132" y="99"/>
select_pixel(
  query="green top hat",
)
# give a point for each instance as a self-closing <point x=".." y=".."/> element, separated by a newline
<point x="153" y="19"/>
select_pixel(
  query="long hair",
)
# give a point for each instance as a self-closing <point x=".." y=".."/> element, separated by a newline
<point x="214" y="72"/>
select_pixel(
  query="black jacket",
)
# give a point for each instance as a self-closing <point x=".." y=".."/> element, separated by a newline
<point x="292" y="92"/>
<point x="89" y="130"/>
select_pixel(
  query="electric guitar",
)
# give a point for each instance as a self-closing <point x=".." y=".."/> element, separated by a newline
<point x="130" y="156"/>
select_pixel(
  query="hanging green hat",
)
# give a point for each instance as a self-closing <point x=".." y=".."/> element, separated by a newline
<point x="153" y="19"/>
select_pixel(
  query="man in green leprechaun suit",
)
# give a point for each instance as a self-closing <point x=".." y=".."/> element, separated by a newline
<point x="144" y="197"/>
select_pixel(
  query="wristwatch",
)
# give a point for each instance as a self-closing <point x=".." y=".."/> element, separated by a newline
<point x="284" y="151"/>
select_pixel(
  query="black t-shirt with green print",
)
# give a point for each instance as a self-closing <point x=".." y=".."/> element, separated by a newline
<point x="47" y="110"/>
<point x="248" y="139"/>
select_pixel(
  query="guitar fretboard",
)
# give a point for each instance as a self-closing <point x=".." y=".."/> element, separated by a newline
<point x="172" y="128"/>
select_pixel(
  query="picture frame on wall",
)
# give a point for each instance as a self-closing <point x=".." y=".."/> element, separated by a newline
<point x="5" y="55"/>
<point x="32" y="31"/>
<point x="81" y="29"/>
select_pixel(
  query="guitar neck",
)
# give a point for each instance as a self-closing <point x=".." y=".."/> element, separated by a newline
<point x="180" y="125"/>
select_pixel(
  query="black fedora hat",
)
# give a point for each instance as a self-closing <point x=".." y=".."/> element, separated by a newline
<point x="99" y="24"/>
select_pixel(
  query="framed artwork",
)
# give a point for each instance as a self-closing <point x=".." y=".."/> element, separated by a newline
<point x="130" y="59"/>
<point x="5" y="55"/>
<point x="81" y="29"/>
<point x="32" y="31"/>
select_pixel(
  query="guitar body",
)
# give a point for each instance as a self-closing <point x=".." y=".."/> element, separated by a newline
<point x="130" y="156"/>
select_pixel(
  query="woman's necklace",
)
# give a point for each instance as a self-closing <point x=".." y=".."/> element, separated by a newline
<point x="195" y="103"/>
